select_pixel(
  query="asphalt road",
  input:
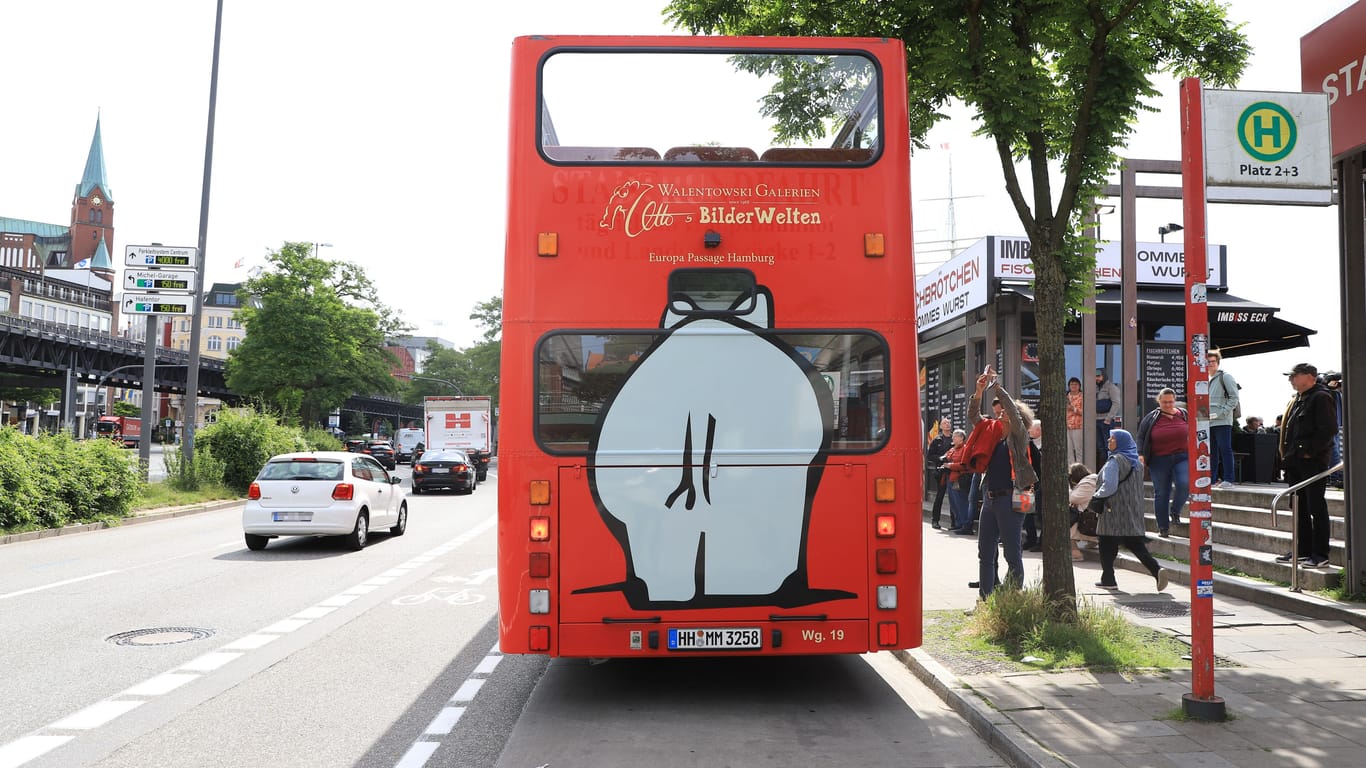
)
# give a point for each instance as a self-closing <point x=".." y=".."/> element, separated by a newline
<point x="169" y="643"/>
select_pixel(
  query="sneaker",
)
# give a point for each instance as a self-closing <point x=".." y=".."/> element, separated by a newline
<point x="935" y="525"/>
<point x="974" y="584"/>
<point x="1223" y="485"/>
<point x="964" y="531"/>
<point x="1317" y="562"/>
<point x="1286" y="558"/>
<point x="1163" y="533"/>
<point x="1162" y="580"/>
<point x="1103" y="585"/>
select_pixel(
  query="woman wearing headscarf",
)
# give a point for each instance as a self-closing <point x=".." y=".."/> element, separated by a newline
<point x="1121" y="491"/>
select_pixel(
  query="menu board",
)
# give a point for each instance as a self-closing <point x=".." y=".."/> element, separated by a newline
<point x="1164" y="365"/>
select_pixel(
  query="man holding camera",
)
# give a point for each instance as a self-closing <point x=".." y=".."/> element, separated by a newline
<point x="1306" y="445"/>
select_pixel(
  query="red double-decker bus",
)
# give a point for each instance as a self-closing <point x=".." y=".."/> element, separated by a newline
<point x="709" y="437"/>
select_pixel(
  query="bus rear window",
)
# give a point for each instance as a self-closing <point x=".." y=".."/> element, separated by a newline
<point x="733" y="107"/>
<point x="579" y="374"/>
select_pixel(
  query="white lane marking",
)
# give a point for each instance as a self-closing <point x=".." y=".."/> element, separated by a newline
<point x="96" y="715"/>
<point x="361" y="589"/>
<point x="444" y="721"/>
<point x="467" y="690"/>
<point x="210" y="661"/>
<point x="418" y="754"/>
<point x="27" y="748"/>
<point x="56" y="584"/>
<point x="337" y="601"/>
<point x="487" y="665"/>
<point x="160" y="684"/>
<point x="22" y="750"/>
<point x="316" y="612"/>
<point x="250" y="642"/>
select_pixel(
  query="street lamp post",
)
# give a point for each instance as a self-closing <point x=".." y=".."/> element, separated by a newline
<point x="447" y="382"/>
<point x="316" y="246"/>
<point x="1167" y="229"/>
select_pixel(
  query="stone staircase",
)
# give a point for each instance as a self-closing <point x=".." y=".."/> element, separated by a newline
<point x="1246" y="539"/>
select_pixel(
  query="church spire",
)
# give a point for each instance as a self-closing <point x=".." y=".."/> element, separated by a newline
<point x="94" y="167"/>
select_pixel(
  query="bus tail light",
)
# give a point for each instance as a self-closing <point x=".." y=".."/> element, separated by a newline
<point x="886" y="526"/>
<point x="343" y="492"/>
<point x="539" y="492"/>
<point x="539" y="639"/>
<point x="540" y="529"/>
<point x="254" y="491"/>
<point x="886" y="634"/>
<point x="539" y="566"/>
<point x="884" y="489"/>
<point x="538" y="600"/>
<point x="886" y="597"/>
<point x="886" y="561"/>
<point x="874" y="245"/>
<point x="548" y="244"/>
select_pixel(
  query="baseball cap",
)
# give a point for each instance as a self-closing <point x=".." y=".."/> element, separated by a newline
<point x="1303" y="368"/>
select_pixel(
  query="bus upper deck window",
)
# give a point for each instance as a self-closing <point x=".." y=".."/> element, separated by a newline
<point x="712" y="291"/>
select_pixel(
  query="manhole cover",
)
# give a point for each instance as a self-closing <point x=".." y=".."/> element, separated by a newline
<point x="1157" y="610"/>
<point x="160" y="636"/>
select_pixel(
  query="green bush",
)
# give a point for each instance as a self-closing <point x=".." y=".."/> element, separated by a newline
<point x="320" y="439"/>
<point x="244" y="441"/>
<point x="49" y="481"/>
<point x="206" y="472"/>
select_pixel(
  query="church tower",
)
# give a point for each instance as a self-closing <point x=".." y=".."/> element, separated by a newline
<point x="92" y="211"/>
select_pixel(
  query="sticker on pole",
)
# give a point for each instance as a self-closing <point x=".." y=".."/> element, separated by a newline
<point x="1204" y="588"/>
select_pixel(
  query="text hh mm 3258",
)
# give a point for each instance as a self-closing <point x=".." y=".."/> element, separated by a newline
<point x="709" y="386"/>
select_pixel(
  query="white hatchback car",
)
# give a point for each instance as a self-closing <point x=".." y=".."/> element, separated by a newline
<point x="324" y="493"/>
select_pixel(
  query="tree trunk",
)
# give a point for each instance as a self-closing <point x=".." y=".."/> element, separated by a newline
<point x="1050" y="317"/>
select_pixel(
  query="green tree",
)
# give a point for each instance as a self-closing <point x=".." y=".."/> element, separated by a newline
<point x="315" y="335"/>
<point x="474" y="369"/>
<point x="489" y="315"/>
<point x="1057" y="85"/>
<point x="125" y="408"/>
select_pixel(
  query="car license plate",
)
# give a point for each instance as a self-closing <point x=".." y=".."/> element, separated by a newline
<point x="714" y="639"/>
<point x="293" y="517"/>
<point x="440" y="471"/>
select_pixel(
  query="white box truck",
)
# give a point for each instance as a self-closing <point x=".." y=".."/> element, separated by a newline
<point x="463" y="423"/>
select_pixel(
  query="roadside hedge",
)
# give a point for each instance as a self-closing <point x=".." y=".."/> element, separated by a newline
<point x="49" y="481"/>
<point x="244" y="441"/>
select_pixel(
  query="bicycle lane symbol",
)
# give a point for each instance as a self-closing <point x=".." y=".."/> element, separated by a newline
<point x="451" y="595"/>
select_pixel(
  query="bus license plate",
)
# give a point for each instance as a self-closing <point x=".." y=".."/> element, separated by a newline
<point x="714" y="639"/>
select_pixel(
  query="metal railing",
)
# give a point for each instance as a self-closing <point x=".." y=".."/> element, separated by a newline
<point x="1295" y="519"/>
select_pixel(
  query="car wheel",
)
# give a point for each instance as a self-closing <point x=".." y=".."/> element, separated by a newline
<point x="358" y="537"/>
<point x="416" y="489"/>
<point x="483" y="476"/>
<point x="256" y="543"/>
<point x="402" y="524"/>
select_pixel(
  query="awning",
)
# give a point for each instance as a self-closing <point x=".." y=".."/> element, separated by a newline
<point x="1238" y="326"/>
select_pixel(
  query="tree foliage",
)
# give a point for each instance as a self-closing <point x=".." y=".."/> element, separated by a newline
<point x="1057" y="85"/>
<point x="474" y="369"/>
<point x="316" y="335"/>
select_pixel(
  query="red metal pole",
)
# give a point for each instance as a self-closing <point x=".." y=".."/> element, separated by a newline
<point x="1200" y="703"/>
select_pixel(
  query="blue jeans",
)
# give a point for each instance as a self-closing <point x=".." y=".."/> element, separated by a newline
<point x="958" y="506"/>
<point x="1169" y="471"/>
<point x="1221" y="454"/>
<point x="1000" y="525"/>
<point x="974" y="498"/>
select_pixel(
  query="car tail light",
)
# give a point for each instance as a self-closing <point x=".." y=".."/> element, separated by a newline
<point x="886" y="526"/>
<point x="540" y="529"/>
<point x="419" y="468"/>
<point x="344" y="492"/>
<point x="886" y="633"/>
<point x="539" y="566"/>
<point x="254" y="492"/>
<point x="886" y="561"/>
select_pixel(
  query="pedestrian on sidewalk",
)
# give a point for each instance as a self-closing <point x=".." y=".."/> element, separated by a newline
<point x="1083" y="486"/>
<point x="1224" y="411"/>
<point x="1306" y="443"/>
<point x="934" y="460"/>
<point x="1075" y="412"/>
<point x="1107" y="410"/>
<point x="1007" y="469"/>
<point x="1162" y="448"/>
<point x="1033" y="524"/>
<point x="959" y="479"/>
<point x="1121" y="493"/>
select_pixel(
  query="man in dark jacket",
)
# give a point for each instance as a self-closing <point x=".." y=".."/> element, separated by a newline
<point x="1306" y="444"/>
<point x="934" y="460"/>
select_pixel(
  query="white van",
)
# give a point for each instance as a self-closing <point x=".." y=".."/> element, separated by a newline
<point x="405" y="440"/>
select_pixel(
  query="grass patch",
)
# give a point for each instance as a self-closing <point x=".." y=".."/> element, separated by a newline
<point x="1011" y="630"/>
<point x="156" y="495"/>
<point x="1340" y="592"/>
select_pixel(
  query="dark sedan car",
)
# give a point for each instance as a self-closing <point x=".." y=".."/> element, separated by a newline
<point x="383" y="453"/>
<point x="444" y="469"/>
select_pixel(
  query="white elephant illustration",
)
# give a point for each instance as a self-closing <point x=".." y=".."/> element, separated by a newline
<point x="706" y="462"/>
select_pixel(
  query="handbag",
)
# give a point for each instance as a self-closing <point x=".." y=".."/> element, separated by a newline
<point x="1087" y="520"/>
<point x="1022" y="501"/>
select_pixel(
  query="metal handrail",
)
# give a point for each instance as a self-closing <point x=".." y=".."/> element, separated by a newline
<point x="1295" y="519"/>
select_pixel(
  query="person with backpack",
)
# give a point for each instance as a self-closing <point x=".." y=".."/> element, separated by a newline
<point x="1120" y="495"/>
<point x="1224" y="410"/>
<point x="998" y="446"/>
<point x="1163" y="449"/>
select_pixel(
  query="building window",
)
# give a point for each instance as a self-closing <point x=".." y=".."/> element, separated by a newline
<point x="215" y="344"/>
<point x="233" y="343"/>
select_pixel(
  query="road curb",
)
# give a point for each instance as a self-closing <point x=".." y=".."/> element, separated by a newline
<point x="143" y="516"/>
<point x="1006" y="738"/>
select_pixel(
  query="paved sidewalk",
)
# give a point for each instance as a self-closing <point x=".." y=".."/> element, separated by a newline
<point x="1297" y="696"/>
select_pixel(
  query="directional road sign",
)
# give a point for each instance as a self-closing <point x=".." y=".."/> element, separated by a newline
<point x="159" y="280"/>
<point x="160" y="256"/>
<point x="157" y="304"/>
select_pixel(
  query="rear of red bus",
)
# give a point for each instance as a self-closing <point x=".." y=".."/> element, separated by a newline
<point x="709" y="424"/>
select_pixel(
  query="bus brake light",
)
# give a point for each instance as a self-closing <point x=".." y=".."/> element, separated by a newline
<point x="539" y="565"/>
<point x="540" y="529"/>
<point x="886" y="561"/>
<point x="886" y="526"/>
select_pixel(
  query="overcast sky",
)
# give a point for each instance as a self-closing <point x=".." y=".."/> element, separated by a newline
<point x="380" y="129"/>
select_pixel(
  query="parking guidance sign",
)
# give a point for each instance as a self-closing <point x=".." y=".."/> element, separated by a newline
<point x="1267" y="147"/>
